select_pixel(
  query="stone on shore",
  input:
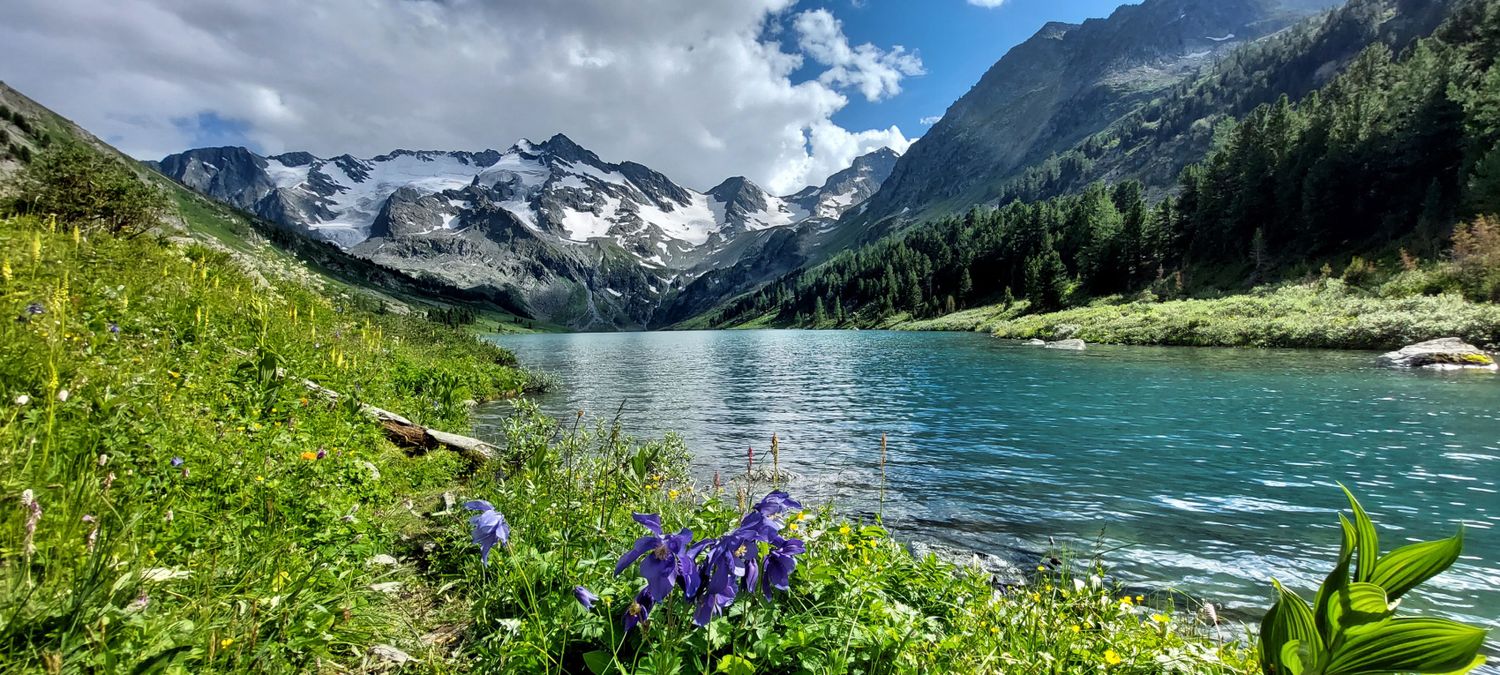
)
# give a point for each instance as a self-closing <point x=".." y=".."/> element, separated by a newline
<point x="1074" y="344"/>
<point x="1441" y="354"/>
<point x="1033" y="342"/>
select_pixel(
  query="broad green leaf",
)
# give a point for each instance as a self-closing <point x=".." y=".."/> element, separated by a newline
<point x="598" y="661"/>
<point x="1404" y="568"/>
<point x="736" y="665"/>
<point x="1366" y="542"/>
<point x="1289" y="619"/>
<point x="1337" y="580"/>
<point x="1356" y="604"/>
<point x="1294" y="657"/>
<point x="1409" y="645"/>
<point x="1477" y="662"/>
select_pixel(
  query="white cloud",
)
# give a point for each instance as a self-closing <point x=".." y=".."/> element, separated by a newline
<point x="697" y="90"/>
<point x="930" y="120"/>
<point x="987" y="3"/>
<point x="876" y="73"/>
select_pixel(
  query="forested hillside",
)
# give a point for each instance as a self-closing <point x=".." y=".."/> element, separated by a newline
<point x="1382" y="161"/>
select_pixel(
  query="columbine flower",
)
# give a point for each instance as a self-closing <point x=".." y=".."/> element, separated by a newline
<point x="176" y="461"/>
<point x="585" y="597"/>
<point x="35" y="309"/>
<point x="489" y="528"/>
<point x="639" y="610"/>
<point x="780" y="563"/>
<point x="671" y="559"/>
<point x="322" y="453"/>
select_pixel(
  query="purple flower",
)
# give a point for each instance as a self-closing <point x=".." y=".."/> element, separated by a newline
<point x="489" y="527"/>
<point x="776" y="503"/>
<point x="114" y="328"/>
<point x="780" y="563"/>
<point x="665" y="559"/>
<point x="733" y="560"/>
<point x="585" y="597"/>
<point x="322" y="453"/>
<point x="35" y="308"/>
<point x="176" y="461"/>
<point x="639" y="610"/>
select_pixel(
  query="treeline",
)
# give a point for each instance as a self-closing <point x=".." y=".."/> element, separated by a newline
<point x="1390" y="153"/>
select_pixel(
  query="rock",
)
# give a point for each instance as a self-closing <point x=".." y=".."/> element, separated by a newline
<point x="445" y="505"/>
<point x="1065" y="331"/>
<point x="391" y="654"/>
<point x="1073" y="344"/>
<point x="374" y="471"/>
<point x="1443" y="354"/>
<point x="1033" y="342"/>
<point x="384" y="560"/>
<point x="387" y="587"/>
<point x="1003" y="572"/>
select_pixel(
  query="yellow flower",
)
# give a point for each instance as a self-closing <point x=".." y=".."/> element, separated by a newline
<point x="1112" y="658"/>
<point x="260" y="479"/>
<point x="224" y="644"/>
<point x="672" y="494"/>
<point x="1125" y="601"/>
<point x="844" y="529"/>
<point x="1077" y="628"/>
<point x="802" y="516"/>
<point x="1036" y="597"/>
<point x="1041" y="568"/>
<point x="792" y="527"/>
<point x="994" y="630"/>
<point x="309" y="455"/>
<point x="1160" y="618"/>
<point x="1139" y="598"/>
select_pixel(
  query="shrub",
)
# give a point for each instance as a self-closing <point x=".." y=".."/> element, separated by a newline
<point x="1476" y="251"/>
<point x="81" y="186"/>
<point x="1359" y="273"/>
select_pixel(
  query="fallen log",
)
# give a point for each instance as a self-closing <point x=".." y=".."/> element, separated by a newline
<point x="409" y="434"/>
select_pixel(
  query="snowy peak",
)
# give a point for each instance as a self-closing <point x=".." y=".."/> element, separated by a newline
<point x="848" y="188"/>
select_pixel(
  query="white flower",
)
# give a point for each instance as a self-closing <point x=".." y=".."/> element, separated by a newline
<point x="62" y="396"/>
<point x="23" y="399"/>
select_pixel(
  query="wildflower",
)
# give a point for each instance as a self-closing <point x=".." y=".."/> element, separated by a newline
<point x="1210" y="614"/>
<point x="62" y="396"/>
<point x="322" y="453"/>
<point x="309" y="455"/>
<point x="780" y="563"/>
<point x="1111" y="658"/>
<point x="672" y="494"/>
<point x="168" y="516"/>
<point x="114" y="328"/>
<point x="35" y="309"/>
<point x="5" y="272"/>
<point x="994" y="630"/>
<point x="1160" y="618"/>
<point x="1139" y="598"/>
<point x="224" y="644"/>
<point x="670" y="561"/>
<point x="140" y="603"/>
<point x="103" y="460"/>
<point x="176" y="461"/>
<point x="489" y="527"/>
<point x="639" y="610"/>
<point x="844" y="530"/>
<point x="1125" y="601"/>
<point x="93" y="537"/>
<point x="109" y="480"/>
<point x="33" y="517"/>
<point x="1077" y="628"/>
<point x="585" y="597"/>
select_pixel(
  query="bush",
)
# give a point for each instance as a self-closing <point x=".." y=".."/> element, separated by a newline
<point x="1476" y="251"/>
<point x="1359" y="273"/>
<point x="81" y="186"/>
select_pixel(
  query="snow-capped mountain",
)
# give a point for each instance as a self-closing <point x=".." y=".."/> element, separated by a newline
<point x="546" y="223"/>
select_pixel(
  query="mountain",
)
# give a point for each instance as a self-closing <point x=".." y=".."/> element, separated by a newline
<point x="1065" y="83"/>
<point x="574" y="239"/>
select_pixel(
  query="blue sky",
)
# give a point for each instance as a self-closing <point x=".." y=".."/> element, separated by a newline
<point x="957" y="42"/>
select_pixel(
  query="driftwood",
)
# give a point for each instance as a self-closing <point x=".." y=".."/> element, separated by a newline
<point x="409" y="434"/>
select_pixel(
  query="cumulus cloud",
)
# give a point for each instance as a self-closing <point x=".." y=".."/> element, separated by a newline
<point x="698" y="90"/>
<point x="875" y="72"/>
<point x="930" y="120"/>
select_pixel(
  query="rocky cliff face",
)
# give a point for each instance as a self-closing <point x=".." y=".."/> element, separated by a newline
<point x="1068" y="81"/>
<point x="583" y="242"/>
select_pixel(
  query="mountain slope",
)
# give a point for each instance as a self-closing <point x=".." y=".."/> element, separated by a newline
<point x="1066" y="83"/>
<point x="567" y="236"/>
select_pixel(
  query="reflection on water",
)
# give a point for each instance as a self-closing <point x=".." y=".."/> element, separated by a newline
<point x="1213" y="470"/>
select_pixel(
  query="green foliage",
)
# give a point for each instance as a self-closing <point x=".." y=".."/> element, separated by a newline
<point x="88" y="189"/>
<point x="1351" y="628"/>
<point x="118" y="354"/>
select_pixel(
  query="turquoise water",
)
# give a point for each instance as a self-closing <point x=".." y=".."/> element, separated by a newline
<point x="1205" y="470"/>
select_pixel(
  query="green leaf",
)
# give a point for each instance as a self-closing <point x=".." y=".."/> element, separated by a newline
<point x="736" y="665"/>
<point x="1294" y="657"/>
<point x="1405" y="568"/>
<point x="1355" y="605"/>
<point x="1337" y="580"/>
<point x="1409" y="645"/>
<point x="1366" y="542"/>
<point x="598" y="661"/>
<point x="1290" y="619"/>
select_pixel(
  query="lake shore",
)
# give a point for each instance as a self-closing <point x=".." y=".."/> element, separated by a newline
<point x="1325" y="314"/>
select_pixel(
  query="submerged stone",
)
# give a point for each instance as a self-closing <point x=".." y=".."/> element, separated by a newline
<point x="1073" y="344"/>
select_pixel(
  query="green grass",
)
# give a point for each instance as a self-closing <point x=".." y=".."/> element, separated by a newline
<point x="1320" y="314"/>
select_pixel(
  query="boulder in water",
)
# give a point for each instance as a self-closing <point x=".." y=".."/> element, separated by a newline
<point x="1074" y="344"/>
<point x="1443" y="354"/>
<point x="1033" y="342"/>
